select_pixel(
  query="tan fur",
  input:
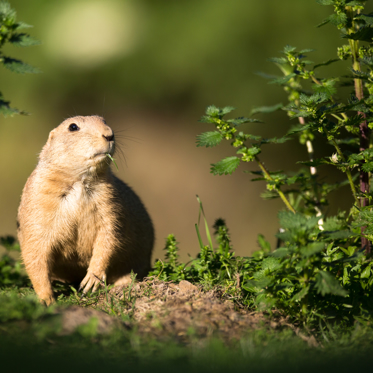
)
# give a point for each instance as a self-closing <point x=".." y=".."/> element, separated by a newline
<point x="77" y="222"/>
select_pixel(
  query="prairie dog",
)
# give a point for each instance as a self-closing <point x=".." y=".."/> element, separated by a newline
<point x="77" y="222"/>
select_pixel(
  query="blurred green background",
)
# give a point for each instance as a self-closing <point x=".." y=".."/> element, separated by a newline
<point x="150" y="67"/>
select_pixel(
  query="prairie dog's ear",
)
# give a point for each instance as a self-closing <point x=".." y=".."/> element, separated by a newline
<point x="51" y="135"/>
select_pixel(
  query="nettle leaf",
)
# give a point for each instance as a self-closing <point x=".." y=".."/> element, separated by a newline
<point x="268" y="194"/>
<point x="275" y="140"/>
<point x="242" y="120"/>
<point x="307" y="50"/>
<point x="225" y="166"/>
<point x="326" y="87"/>
<point x="338" y="19"/>
<point x="271" y="264"/>
<point x="348" y="141"/>
<point x="279" y="60"/>
<point x="289" y="220"/>
<point x="367" y="18"/>
<point x="266" y="109"/>
<point x="22" y="25"/>
<point x="23" y="40"/>
<point x="326" y="63"/>
<point x="367" y="167"/>
<point x="264" y="244"/>
<point x="6" y="110"/>
<point x="326" y="283"/>
<point x="207" y="119"/>
<point x="301" y="294"/>
<point x="365" y="33"/>
<point x="227" y="109"/>
<point x="265" y="75"/>
<point x="282" y="80"/>
<point x="367" y="61"/>
<point x="361" y="74"/>
<point x="18" y="66"/>
<point x="334" y="223"/>
<point x="325" y="2"/>
<point x="314" y="99"/>
<point x="312" y="249"/>
<point x="212" y="110"/>
<point x="289" y="49"/>
<point x="209" y="139"/>
<point x="297" y="129"/>
<point x="339" y="235"/>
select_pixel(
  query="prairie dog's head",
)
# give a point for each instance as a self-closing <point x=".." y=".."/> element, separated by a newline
<point x="80" y="144"/>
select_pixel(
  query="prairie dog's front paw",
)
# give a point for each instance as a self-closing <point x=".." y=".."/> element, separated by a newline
<point x="47" y="300"/>
<point x="92" y="281"/>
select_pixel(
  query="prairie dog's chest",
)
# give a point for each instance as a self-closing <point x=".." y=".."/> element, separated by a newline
<point x="80" y="203"/>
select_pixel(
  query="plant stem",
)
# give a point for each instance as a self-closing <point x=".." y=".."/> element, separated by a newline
<point x="348" y="172"/>
<point x="269" y="177"/>
<point x="363" y="127"/>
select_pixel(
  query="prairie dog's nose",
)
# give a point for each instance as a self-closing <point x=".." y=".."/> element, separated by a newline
<point x="109" y="138"/>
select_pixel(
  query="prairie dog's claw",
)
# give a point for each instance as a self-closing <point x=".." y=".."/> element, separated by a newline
<point x="91" y="281"/>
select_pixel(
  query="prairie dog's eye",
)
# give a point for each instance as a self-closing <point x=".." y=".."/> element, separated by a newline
<point x="73" y="127"/>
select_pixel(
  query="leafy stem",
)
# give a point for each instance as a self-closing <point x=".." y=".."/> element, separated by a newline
<point x="278" y="190"/>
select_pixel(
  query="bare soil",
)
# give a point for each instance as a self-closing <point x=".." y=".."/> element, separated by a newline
<point x="183" y="312"/>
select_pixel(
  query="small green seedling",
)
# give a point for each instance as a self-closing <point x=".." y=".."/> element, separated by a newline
<point x="112" y="159"/>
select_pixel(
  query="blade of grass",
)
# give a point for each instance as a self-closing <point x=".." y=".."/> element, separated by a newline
<point x="112" y="159"/>
<point x="208" y="235"/>
<point x="199" y="237"/>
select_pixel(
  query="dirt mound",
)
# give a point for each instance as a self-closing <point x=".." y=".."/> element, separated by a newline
<point x="184" y="311"/>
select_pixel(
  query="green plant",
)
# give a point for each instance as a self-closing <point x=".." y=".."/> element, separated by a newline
<point x="11" y="271"/>
<point x="344" y="125"/>
<point x="11" y="33"/>
<point x="323" y="270"/>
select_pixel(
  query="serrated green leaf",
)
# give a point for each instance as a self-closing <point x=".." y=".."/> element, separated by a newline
<point x="23" y="40"/>
<point x="365" y="33"/>
<point x="308" y="50"/>
<point x="366" y="272"/>
<point x="367" y="167"/>
<point x="313" y="100"/>
<point x="326" y="87"/>
<point x="266" y="109"/>
<point x="209" y="139"/>
<point x="264" y="244"/>
<point x="207" y="119"/>
<point x="268" y="194"/>
<point x="226" y="110"/>
<point x="18" y="66"/>
<point x="212" y="110"/>
<point x="279" y="60"/>
<point x="22" y="25"/>
<point x="325" y="2"/>
<point x="326" y="283"/>
<point x="301" y="294"/>
<point x="339" y="20"/>
<point x="367" y="18"/>
<point x="298" y="129"/>
<point x="225" y="166"/>
<point x="242" y="120"/>
<point x="312" y="249"/>
<point x="323" y="23"/>
<point x="283" y="79"/>
<point x="275" y="140"/>
<point x="265" y="75"/>
<point x="281" y="252"/>
<point x="289" y="49"/>
<point x="326" y="63"/>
